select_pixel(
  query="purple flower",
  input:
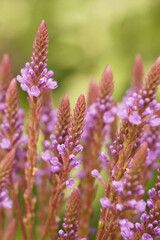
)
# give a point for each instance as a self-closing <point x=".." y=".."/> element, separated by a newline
<point x="78" y="149"/>
<point x="55" y="165"/>
<point x="108" y="117"/>
<point x="122" y="114"/>
<point x="104" y="159"/>
<point x="138" y="226"/>
<point x="5" y="202"/>
<point x="126" y="227"/>
<point x="139" y="206"/>
<point x="106" y="203"/>
<point x="119" y="206"/>
<point x="75" y="163"/>
<point x="5" y="144"/>
<point x="154" y="122"/>
<point x="147" y="112"/>
<point x="135" y="118"/>
<point x="62" y="149"/>
<point x="146" y="236"/>
<point x="27" y="79"/>
<point x="61" y="232"/>
<point x="118" y="186"/>
<point x="150" y="203"/>
<point x="156" y="232"/>
<point x="69" y="183"/>
<point x="51" y="84"/>
<point x="152" y="193"/>
<point x="46" y="156"/>
<point x="144" y="218"/>
<point x="34" y="91"/>
<point x="95" y="173"/>
<point x="55" y="168"/>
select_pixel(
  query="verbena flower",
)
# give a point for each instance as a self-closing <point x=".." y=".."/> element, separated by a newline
<point x="90" y="139"/>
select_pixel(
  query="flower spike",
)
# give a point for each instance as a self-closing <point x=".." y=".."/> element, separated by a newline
<point x="5" y="72"/>
<point x="137" y="74"/>
<point x="77" y="122"/>
<point x="63" y="119"/>
<point x="40" y="45"/>
<point x="106" y="84"/>
<point x="6" y="167"/>
<point x="35" y="78"/>
<point x="93" y="92"/>
<point x="71" y="218"/>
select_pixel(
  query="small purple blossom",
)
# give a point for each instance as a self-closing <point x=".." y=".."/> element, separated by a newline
<point x="152" y="193"/>
<point x="138" y="226"/>
<point x="5" y="202"/>
<point x="78" y="149"/>
<point x="55" y="165"/>
<point x="118" y="186"/>
<point x="126" y="227"/>
<point x="146" y="236"/>
<point x="95" y="173"/>
<point x="5" y="144"/>
<point x="108" y="117"/>
<point x="119" y="207"/>
<point x="27" y="79"/>
<point x="139" y="206"/>
<point x="144" y="218"/>
<point x="135" y="118"/>
<point x="34" y="91"/>
<point x="69" y="183"/>
<point x="105" y="202"/>
<point x="46" y="156"/>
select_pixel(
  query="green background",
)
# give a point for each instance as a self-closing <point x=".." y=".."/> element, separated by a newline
<point x="85" y="36"/>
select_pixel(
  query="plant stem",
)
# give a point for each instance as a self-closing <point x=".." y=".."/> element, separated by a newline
<point x="53" y="207"/>
<point x="17" y="210"/>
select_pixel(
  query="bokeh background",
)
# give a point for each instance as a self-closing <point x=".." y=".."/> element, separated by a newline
<point x="85" y="36"/>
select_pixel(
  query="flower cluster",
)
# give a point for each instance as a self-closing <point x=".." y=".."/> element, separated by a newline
<point x="28" y="76"/>
<point x="35" y="78"/>
<point x="75" y="148"/>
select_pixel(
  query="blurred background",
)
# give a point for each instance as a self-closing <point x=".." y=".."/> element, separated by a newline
<point x="85" y="36"/>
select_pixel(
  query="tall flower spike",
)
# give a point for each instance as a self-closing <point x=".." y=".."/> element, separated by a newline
<point x="6" y="167"/>
<point x="71" y="218"/>
<point x="137" y="74"/>
<point x="152" y="80"/>
<point x="63" y="120"/>
<point x="139" y="108"/>
<point x="97" y="127"/>
<point x="106" y="85"/>
<point x="40" y="45"/>
<point x="149" y="226"/>
<point x="35" y="78"/>
<point x="93" y="92"/>
<point x="128" y="193"/>
<point x="65" y="160"/>
<point x="5" y="78"/>
<point x="77" y="122"/>
<point x="12" y="125"/>
<point x="5" y="72"/>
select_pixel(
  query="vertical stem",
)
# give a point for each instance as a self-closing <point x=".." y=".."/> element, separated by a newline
<point x="17" y="210"/>
<point x="35" y="105"/>
<point x="52" y="209"/>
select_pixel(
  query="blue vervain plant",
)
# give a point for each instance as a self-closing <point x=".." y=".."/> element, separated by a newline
<point x="131" y="151"/>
